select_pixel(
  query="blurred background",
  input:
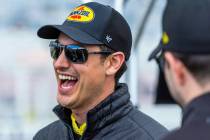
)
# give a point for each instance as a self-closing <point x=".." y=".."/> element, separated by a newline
<point x="28" y="86"/>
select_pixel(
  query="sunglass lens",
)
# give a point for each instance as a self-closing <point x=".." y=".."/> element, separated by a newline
<point x="82" y="55"/>
<point x="76" y="54"/>
<point x="55" y="49"/>
<point x="55" y="52"/>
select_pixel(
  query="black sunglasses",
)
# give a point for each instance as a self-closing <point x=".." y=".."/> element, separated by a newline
<point x="160" y="61"/>
<point x="74" y="52"/>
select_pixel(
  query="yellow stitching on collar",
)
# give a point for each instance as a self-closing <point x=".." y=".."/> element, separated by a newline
<point x="78" y="129"/>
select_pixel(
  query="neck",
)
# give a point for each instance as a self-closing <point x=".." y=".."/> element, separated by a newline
<point x="195" y="91"/>
<point x="80" y="117"/>
<point x="80" y="114"/>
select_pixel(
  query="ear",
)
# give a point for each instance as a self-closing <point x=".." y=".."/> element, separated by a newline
<point x="114" y="62"/>
<point x="176" y="67"/>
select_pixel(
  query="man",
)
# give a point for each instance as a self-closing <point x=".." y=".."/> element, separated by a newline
<point x="184" y="56"/>
<point x="89" y="54"/>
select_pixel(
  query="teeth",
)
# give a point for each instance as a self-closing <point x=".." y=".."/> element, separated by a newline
<point x="65" y="77"/>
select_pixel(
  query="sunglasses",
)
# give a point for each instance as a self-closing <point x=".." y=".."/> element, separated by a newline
<point x="73" y="52"/>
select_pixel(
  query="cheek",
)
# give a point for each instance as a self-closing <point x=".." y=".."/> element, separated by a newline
<point x="93" y="74"/>
<point x="171" y="83"/>
<point x="53" y="63"/>
<point x="169" y="79"/>
<point x="94" y="67"/>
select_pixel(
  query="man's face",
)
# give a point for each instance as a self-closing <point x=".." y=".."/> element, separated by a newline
<point x="170" y="81"/>
<point x="172" y="74"/>
<point x="79" y="85"/>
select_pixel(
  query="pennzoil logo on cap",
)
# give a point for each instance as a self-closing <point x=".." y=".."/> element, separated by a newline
<point x="165" y="38"/>
<point x="81" y="14"/>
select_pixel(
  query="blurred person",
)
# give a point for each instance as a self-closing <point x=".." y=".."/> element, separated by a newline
<point x="90" y="51"/>
<point x="184" y="56"/>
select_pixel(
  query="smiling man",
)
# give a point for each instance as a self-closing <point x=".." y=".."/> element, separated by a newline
<point x="90" y="51"/>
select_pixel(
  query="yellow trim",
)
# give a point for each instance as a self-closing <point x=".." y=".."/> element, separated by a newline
<point x="78" y="129"/>
<point x="165" y="38"/>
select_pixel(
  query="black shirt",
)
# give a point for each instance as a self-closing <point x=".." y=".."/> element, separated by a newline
<point x="195" y="122"/>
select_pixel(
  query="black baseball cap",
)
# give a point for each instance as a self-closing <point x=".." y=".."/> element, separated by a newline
<point x="93" y="23"/>
<point x="186" y="28"/>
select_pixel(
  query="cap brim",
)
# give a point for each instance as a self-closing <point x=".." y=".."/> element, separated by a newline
<point x="53" y="31"/>
<point x="155" y="52"/>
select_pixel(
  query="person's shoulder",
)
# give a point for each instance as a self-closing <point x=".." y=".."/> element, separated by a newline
<point x="50" y="130"/>
<point x="193" y="131"/>
<point x="146" y="124"/>
<point x="142" y="119"/>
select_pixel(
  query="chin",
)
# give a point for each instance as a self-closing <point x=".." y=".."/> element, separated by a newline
<point x="63" y="101"/>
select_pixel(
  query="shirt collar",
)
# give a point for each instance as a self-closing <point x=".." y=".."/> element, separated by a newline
<point x="197" y="109"/>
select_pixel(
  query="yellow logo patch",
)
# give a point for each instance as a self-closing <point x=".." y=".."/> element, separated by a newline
<point x="165" y="38"/>
<point x="81" y="14"/>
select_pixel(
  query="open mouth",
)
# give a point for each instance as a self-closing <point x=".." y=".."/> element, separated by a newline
<point x="67" y="82"/>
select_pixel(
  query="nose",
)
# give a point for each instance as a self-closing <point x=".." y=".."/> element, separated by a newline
<point x="62" y="62"/>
